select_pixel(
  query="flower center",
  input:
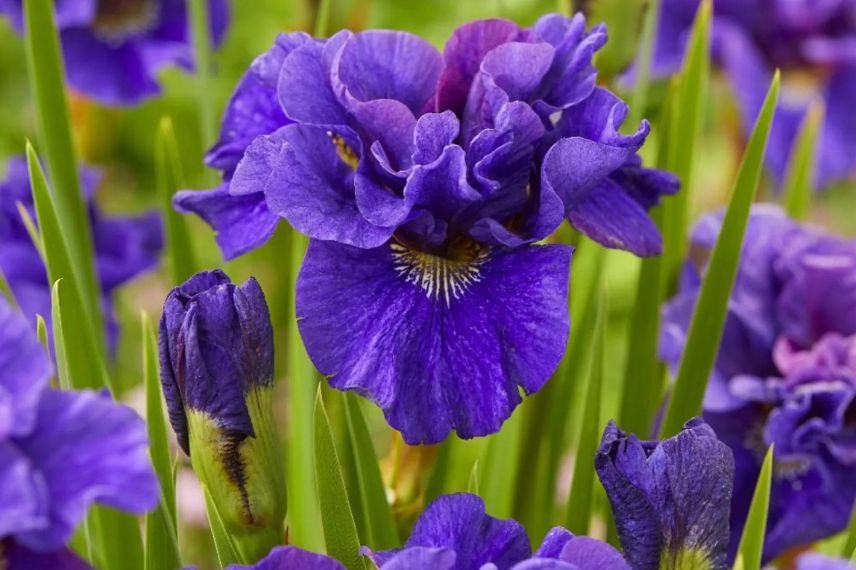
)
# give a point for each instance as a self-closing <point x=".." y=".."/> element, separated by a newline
<point x="448" y="276"/>
<point x="115" y="20"/>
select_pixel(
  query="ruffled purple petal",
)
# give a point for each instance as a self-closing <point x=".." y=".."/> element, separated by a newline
<point x="465" y="335"/>
<point x="89" y="450"/>
<point x="304" y="86"/>
<point x="242" y="223"/>
<point x="386" y="64"/>
<point x="307" y="181"/>
<point x="463" y="54"/>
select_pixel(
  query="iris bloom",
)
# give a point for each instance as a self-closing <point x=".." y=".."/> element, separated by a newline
<point x="124" y="246"/>
<point x="670" y="499"/>
<point x="785" y="373"/>
<point x="455" y="533"/>
<point x="814" y="44"/>
<point x="425" y="181"/>
<point x="60" y="452"/>
<point x="216" y="356"/>
<point x="114" y="49"/>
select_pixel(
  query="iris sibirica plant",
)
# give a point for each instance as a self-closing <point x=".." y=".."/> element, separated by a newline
<point x="785" y="373"/>
<point x="426" y="182"/>
<point x="813" y="43"/>
<point x="114" y="49"/>
<point x="124" y="246"/>
<point x="60" y="452"/>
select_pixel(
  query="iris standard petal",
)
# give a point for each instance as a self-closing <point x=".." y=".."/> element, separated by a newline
<point x="422" y="558"/>
<point x="386" y="64"/>
<point x="574" y="166"/>
<point x="88" y="449"/>
<point x="463" y="54"/>
<point x="438" y="344"/>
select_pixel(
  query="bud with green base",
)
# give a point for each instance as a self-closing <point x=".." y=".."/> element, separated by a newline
<point x="216" y="352"/>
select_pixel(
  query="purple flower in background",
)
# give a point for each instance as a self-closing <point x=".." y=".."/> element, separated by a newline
<point x="806" y="39"/>
<point x="670" y="499"/>
<point x="815" y="561"/>
<point x="785" y="373"/>
<point x="425" y="181"/>
<point x="455" y="533"/>
<point x="216" y="361"/>
<point x="291" y="558"/>
<point x="60" y="452"/>
<point x="124" y="246"/>
<point x="114" y="49"/>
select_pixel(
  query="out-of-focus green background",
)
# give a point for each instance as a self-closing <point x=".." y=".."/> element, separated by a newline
<point x="121" y="141"/>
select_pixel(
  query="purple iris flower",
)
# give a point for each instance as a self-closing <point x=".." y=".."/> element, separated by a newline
<point x="785" y="373"/>
<point x="670" y="498"/>
<point x="114" y="49"/>
<point x="813" y="39"/>
<point x="124" y="246"/>
<point x="60" y="452"/>
<point x="455" y="533"/>
<point x="425" y="181"/>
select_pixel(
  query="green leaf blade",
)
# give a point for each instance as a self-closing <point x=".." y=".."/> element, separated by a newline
<point x="580" y="501"/>
<point x="304" y="516"/>
<point x="160" y="526"/>
<point x="340" y="532"/>
<point x="179" y="244"/>
<point x="377" y="514"/>
<point x="687" y="112"/>
<point x="752" y="541"/>
<point x="708" y="320"/>
<point x="801" y="167"/>
<point x="53" y="123"/>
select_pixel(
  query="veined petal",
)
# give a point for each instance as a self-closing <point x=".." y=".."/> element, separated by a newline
<point x="574" y="166"/>
<point x="612" y="218"/>
<point x="88" y="449"/>
<point x="463" y="55"/>
<point x="386" y="64"/>
<point x="242" y="223"/>
<point x="307" y="175"/>
<point x="438" y="344"/>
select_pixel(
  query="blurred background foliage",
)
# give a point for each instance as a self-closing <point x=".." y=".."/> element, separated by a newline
<point x="122" y="142"/>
